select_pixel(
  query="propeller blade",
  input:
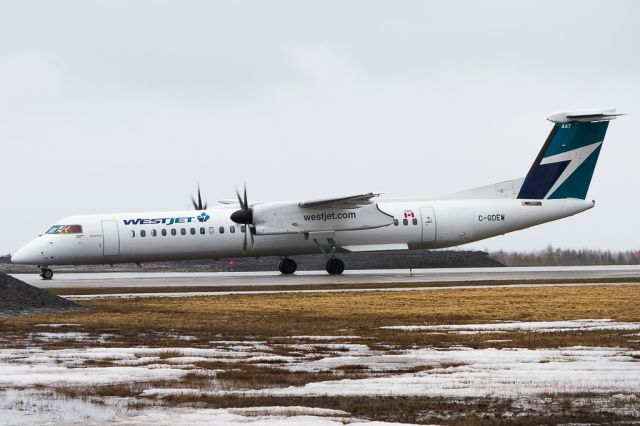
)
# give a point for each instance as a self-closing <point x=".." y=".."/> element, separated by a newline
<point x="253" y="240"/>
<point x="246" y="202"/>
<point x="240" y="199"/>
<point x="198" y="205"/>
<point x="244" y="243"/>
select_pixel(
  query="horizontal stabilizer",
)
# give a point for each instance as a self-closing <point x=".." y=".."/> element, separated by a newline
<point x="584" y="115"/>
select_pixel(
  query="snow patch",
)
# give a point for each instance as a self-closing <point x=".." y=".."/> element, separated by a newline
<point x="331" y="338"/>
<point x="538" y="326"/>
<point x="467" y="372"/>
<point x="208" y="416"/>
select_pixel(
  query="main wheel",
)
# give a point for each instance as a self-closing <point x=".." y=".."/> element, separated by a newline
<point x="46" y="273"/>
<point x="335" y="266"/>
<point x="287" y="266"/>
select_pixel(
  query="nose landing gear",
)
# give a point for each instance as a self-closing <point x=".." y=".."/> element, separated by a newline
<point x="335" y="266"/>
<point x="46" y="273"/>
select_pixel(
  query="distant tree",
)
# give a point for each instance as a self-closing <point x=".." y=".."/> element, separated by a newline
<point x="566" y="257"/>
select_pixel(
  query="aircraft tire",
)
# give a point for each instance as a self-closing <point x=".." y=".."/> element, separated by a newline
<point x="46" y="273"/>
<point x="287" y="266"/>
<point x="335" y="266"/>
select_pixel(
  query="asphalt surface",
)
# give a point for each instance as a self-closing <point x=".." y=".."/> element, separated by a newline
<point x="187" y="279"/>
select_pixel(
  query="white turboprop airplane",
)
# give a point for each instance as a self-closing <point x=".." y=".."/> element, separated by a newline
<point x="555" y="187"/>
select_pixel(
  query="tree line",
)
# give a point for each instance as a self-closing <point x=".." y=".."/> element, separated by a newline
<point x="551" y="256"/>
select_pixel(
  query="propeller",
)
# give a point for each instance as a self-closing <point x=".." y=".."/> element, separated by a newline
<point x="198" y="205"/>
<point x="244" y="216"/>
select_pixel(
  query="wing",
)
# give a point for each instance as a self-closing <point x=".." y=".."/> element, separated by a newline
<point x="350" y="202"/>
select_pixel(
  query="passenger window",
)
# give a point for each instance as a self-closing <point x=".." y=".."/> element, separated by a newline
<point x="395" y="222"/>
<point x="243" y="228"/>
<point x="173" y="231"/>
<point x="202" y="231"/>
<point x="183" y="231"/>
<point x="232" y="229"/>
<point x="132" y="233"/>
<point x="143" y="233"/>
<point x="405" y="222"/>
<point x="164" y="232"/>
<point x="414" y="221"/>
<point x="193" y="231"/>
<point x="211" y="229"/>
<point x="154" y="233"/>
<point x="221" y="230"/>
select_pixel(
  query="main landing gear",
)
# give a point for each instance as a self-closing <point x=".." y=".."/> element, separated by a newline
<point x="287" y="266"/>
<point x="335" y="266"/>
<point x="46" y="273"/>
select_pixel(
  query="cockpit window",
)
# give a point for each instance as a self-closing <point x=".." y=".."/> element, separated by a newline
<point x="72" y="229"/>
<point x="55" y="229"/>
<point x="65" y="229"/>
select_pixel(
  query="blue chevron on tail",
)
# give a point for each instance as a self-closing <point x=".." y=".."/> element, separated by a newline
<point x="564" y="167"/>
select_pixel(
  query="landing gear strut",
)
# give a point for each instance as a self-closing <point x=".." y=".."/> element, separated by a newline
<point x="287" y="266"/>
<point x="335" y="266"/>
<point x="46" y="273"/>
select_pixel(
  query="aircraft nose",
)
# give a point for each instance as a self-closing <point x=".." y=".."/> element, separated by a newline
<point x="27" y="255"/>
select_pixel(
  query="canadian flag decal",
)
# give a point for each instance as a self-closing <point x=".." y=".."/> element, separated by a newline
<point x="408" y="213"/>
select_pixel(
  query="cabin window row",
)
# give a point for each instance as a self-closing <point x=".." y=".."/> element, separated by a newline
<point x="183" y="231"/>
<point x="405" y="221"/>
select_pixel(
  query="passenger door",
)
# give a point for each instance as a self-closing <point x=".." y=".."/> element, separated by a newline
<point x="110" y="238"/>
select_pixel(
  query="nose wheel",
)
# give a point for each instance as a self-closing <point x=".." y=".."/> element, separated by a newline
<point x="46" y="273"/>
<point x="287" y="266"/>
<point x="335" y="266"/>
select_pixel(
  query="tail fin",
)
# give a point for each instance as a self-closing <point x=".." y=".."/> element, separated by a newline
<point x="565" y="165"/>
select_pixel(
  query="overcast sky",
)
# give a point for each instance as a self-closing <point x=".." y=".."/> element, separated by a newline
<point x="121" y="106"/>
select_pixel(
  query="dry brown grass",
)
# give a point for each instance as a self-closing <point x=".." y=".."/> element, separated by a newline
<point x="418" y="409"/>
<point x="138" y="321"/>
<point x="249" y="376"/>
<point x="65" y="291"/>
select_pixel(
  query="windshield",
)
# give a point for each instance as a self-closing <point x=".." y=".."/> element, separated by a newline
<point x="65" y="229"/>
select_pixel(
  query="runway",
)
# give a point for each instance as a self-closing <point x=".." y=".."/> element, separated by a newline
<point x="310" y="278"/>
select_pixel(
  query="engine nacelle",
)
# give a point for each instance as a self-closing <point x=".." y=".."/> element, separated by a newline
<point x="290" y="218"/>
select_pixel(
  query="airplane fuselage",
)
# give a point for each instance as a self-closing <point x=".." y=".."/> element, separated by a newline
<point x="181" y="235"/>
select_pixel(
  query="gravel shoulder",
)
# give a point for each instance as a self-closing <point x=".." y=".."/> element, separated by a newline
<point x="19" y="298"/>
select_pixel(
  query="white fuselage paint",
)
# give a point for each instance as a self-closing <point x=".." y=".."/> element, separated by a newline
<point x="107" y="239"/>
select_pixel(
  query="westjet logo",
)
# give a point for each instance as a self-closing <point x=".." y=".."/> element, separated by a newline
<point x="166" y="220"/>
<point x="325" y="216"/>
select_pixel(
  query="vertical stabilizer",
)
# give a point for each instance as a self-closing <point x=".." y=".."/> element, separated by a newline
<point x="564" y="167"/>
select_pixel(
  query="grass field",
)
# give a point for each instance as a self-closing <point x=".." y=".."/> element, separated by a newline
<point x="287" y="334"/>
<point x="278" y="314"/>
